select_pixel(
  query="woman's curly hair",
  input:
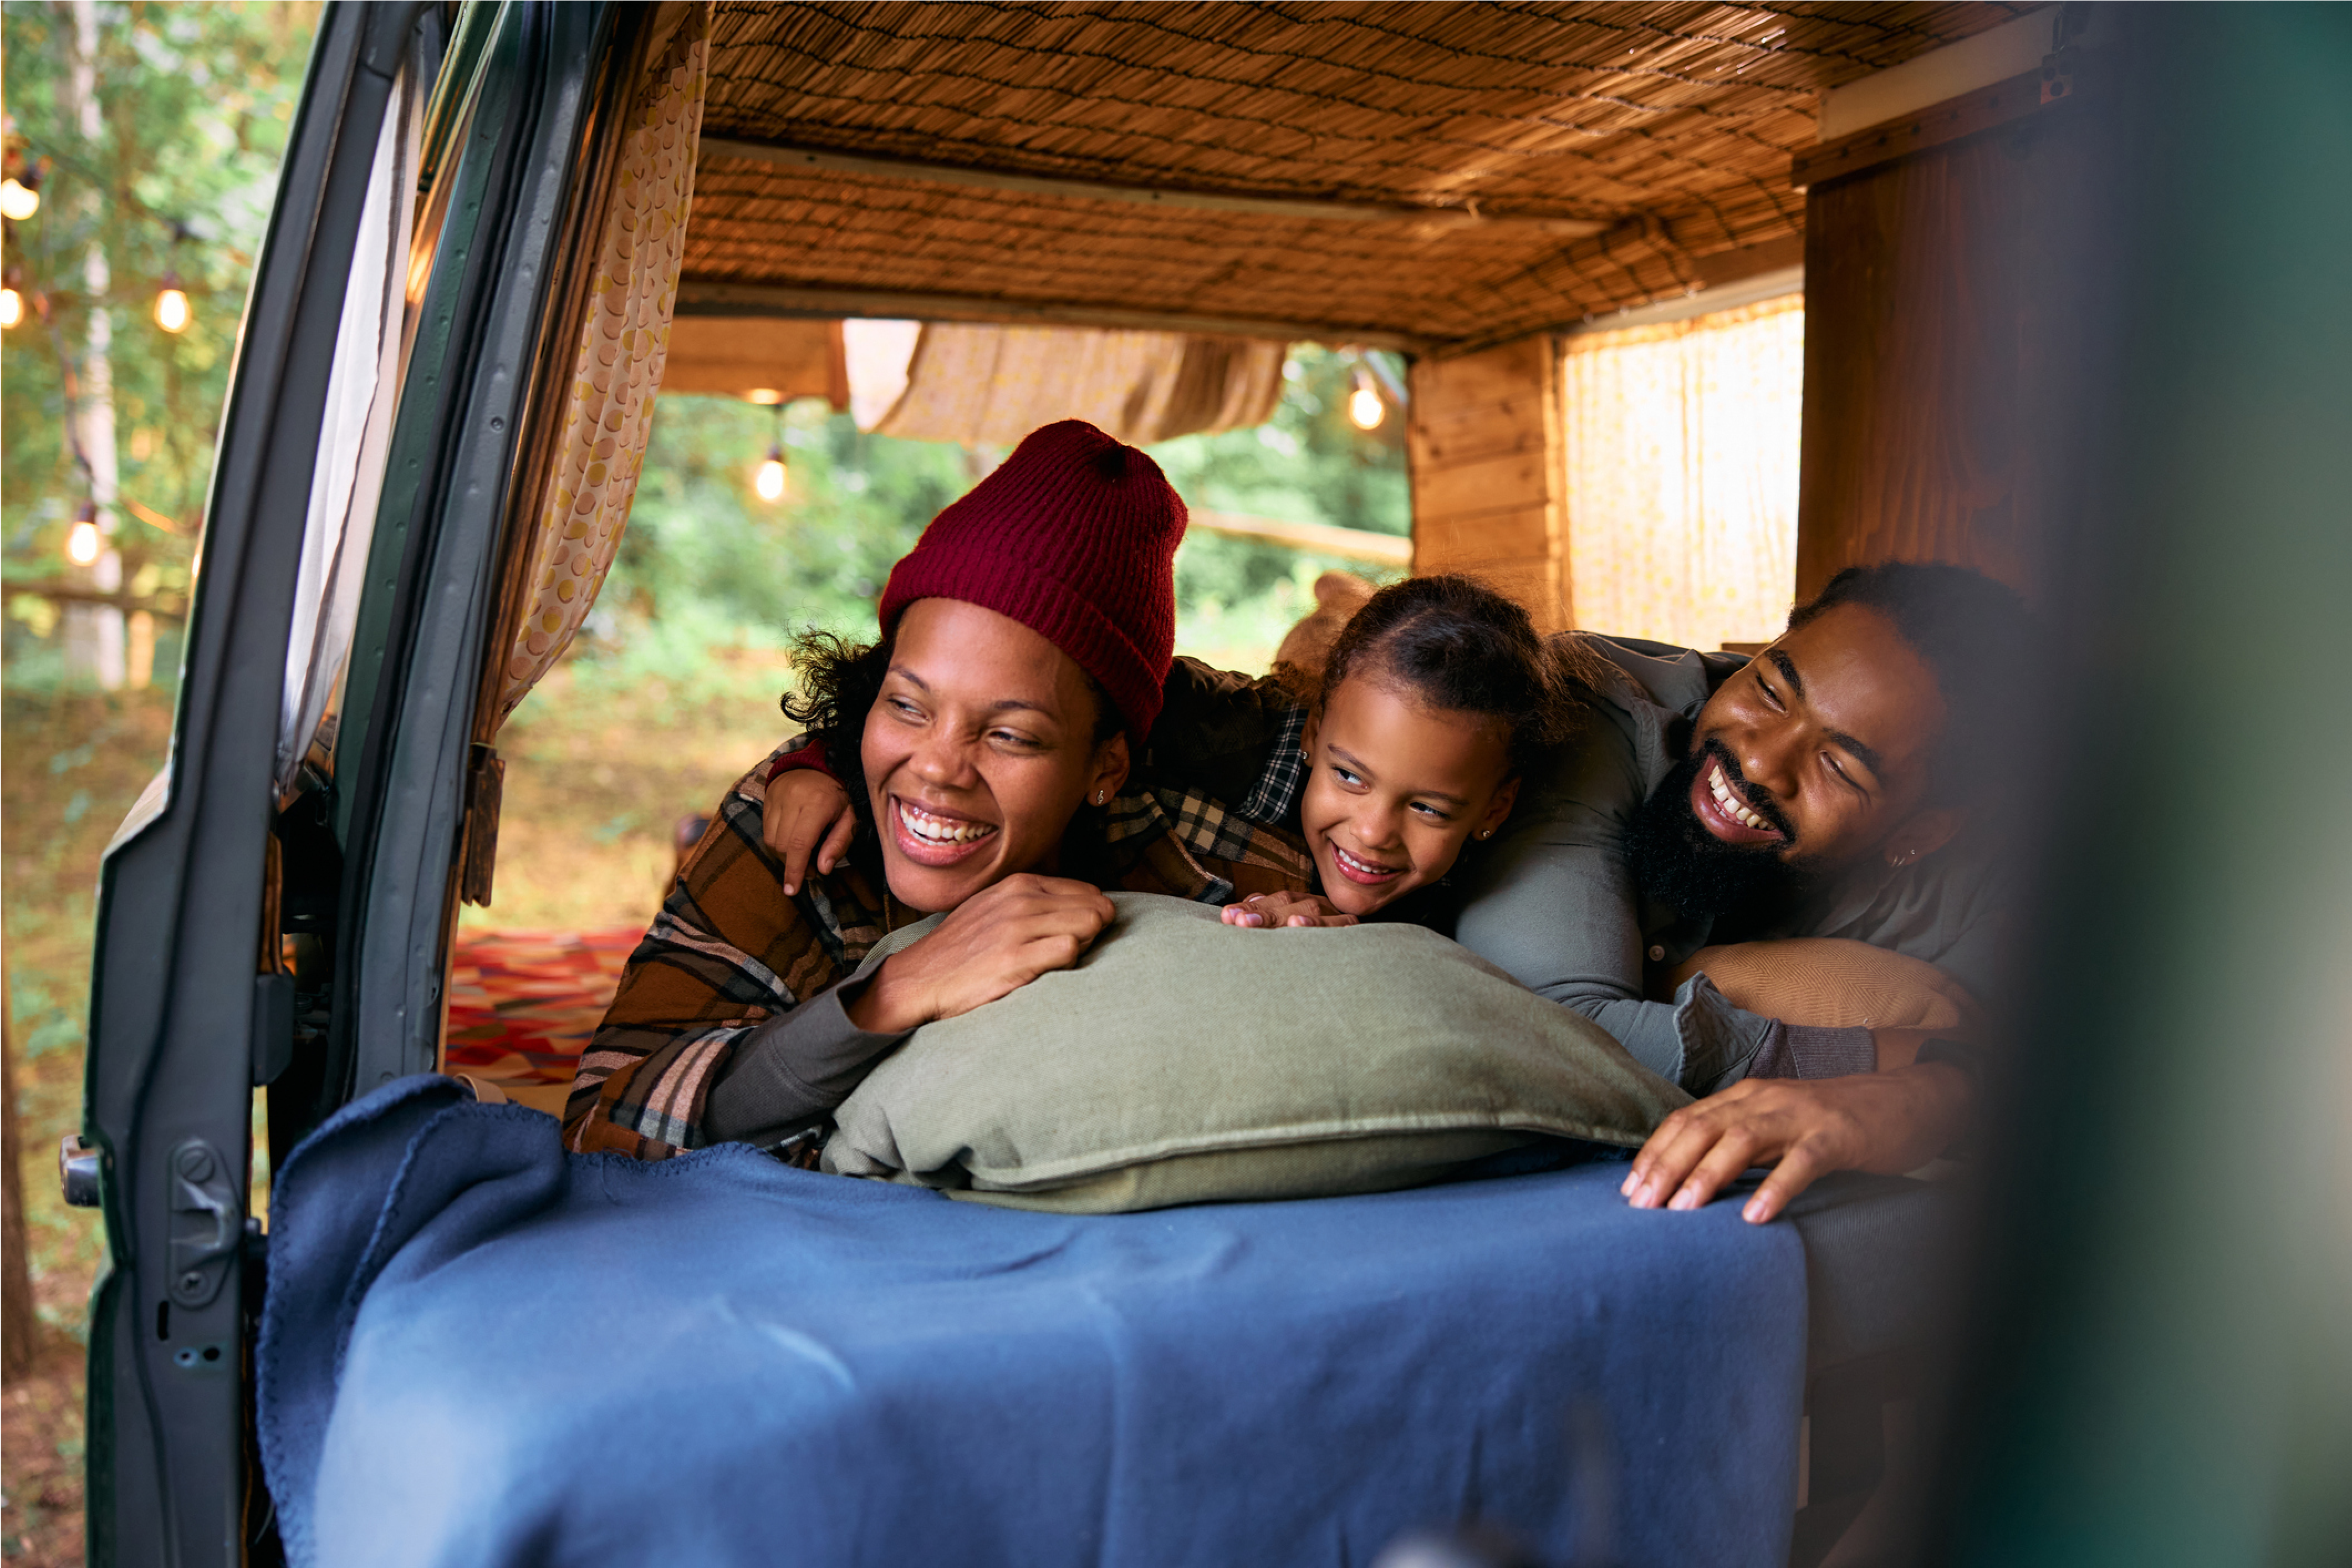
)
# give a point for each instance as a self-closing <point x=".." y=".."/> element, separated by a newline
<point x="839" y="681"/>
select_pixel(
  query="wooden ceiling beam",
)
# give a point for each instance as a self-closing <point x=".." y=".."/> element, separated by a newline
<point x="712" y="298"/>
<point x="1939" y="125"/>
<point x="806" y="160"/>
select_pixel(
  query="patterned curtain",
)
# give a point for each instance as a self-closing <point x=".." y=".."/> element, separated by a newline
<point x="1682" y="475"/>
<point x="623" y="342"/>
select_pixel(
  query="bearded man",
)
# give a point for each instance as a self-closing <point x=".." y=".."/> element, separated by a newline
<point x="1836" y="785"/>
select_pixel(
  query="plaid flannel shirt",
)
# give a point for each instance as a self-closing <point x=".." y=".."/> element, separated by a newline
<point x="730" y="950"/>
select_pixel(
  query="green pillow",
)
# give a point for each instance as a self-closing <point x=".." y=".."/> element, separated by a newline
<point x="1184" y="1061"/>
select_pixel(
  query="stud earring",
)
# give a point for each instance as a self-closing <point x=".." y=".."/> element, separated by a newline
<point x="1098" y="795"/>
<point x="1903" y="859"/>
<point x="1486" y="833"/>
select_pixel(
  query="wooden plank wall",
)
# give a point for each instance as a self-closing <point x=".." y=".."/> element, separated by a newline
<point x="1945" y="308"/>
<point x="1483" y="440"/>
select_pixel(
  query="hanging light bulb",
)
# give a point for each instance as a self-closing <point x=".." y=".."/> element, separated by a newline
<point x="81" y="543"/>
<point x="18" y="201"/>
<point x="1364" y="404"/>
<point x="172" y="311"/>
<point x="770" y="481"/>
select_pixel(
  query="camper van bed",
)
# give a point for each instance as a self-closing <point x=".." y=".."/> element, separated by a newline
<point x="477" y="1348"/>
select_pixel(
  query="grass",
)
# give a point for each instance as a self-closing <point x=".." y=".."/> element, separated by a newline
<point x="598" y="772"/>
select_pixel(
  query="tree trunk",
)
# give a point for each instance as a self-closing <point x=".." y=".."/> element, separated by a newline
<point x="20" y="1327"/>
<point x="94" y="645"/>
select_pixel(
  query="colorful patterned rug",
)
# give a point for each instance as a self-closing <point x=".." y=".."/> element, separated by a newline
<point x="523" y="1004"/>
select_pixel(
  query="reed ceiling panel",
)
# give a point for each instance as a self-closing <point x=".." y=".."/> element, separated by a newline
<point x="1666" y="127"/>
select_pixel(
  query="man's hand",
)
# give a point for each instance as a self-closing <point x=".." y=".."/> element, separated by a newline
<point x="1884" y="1122"/>
<point x="1266" y="910"/>
<point x="996" y="941"/>
<point x="805" y="810"/>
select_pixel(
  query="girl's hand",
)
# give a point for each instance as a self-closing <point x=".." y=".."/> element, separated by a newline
<point x="996" y="941"/>
<point x="1268" y="910"/>
<point x="805" y="810"/>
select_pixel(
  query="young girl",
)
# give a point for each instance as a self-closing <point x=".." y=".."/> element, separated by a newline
<point x="1437" y="699"/>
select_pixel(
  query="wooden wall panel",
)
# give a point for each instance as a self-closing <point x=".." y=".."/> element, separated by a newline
<point x="1941" y="320"/>
<point x="1485" y="444"/>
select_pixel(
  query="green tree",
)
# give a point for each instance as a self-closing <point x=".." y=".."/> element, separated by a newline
<point x="194" y="101"/>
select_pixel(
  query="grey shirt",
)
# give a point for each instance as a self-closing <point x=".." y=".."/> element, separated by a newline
<point x="1554" y="901"/>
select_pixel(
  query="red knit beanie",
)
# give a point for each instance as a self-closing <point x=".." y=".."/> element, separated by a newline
<point x="1075" y="537"/>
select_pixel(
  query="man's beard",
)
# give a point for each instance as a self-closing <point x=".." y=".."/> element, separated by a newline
<point x="1678" y="861"/>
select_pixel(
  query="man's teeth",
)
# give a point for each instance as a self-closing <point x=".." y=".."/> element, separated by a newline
<point x="1364" y="866"/>
<point x="1733" y="806"/>
<point x="941" y="830"/>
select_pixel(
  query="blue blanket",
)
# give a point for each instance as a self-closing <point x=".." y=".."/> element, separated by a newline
<point x="478" y="1349"/>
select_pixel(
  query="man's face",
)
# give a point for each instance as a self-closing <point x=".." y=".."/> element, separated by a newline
<point x="1803" y="763"/>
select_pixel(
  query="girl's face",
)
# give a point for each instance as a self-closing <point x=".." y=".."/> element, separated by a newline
<point x="1395" y="788"/>
<point x="978" y="753"/>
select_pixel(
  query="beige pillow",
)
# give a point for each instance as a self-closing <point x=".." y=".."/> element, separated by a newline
<point x="1184" y="1061"/>
<point x="1831" y="982"/>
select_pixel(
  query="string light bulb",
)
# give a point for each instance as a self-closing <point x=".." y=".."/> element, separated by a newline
<point x="18" y="201"/>
<point x="11" y="305"/>
<point x="769" y="480"/>
<point x="172" y="311"/>
<point x="81" y="542"/>
<point x="1364" y="405"/>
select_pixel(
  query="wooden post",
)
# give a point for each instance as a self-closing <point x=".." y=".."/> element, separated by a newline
<point x="1947" y="298"/>
<point x="1488" y="473"/>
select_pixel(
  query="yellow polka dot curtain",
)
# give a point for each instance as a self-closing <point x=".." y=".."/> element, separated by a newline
<point x="608" y="411"/>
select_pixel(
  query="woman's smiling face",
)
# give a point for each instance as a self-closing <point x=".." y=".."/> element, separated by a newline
<point x="1394" y="789"/>
<point x="978" y="752"/>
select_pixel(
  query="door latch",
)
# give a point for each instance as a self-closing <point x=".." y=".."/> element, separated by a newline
<point x="207" y="1231"/>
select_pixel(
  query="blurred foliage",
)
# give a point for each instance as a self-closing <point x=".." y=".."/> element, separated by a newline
<point x="707" y="567"/>
<point x="195" y="102"/>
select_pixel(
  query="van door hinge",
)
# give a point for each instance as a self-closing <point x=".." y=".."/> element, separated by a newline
<point x="486" y="775"/>
<point x="207" y="1223"/>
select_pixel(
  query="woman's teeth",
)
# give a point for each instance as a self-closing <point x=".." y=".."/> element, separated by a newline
<point x="941" y="830"/>
<point x="1364" y="869"/>
<point x="1731" y="804"/>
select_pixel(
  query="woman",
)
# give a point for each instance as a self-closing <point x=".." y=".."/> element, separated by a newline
<point x="1025" y="641"/>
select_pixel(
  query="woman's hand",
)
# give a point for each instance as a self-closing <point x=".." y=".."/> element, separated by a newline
<point x="805" y="810"/>
<point x="1889" y="1122"/>
<point x="995" y="942"/>
<point x="1267" y="910"/>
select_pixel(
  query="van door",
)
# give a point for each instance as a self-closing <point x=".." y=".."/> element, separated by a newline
<point x="275" y="910"/>
<point x="182" y="988"/>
